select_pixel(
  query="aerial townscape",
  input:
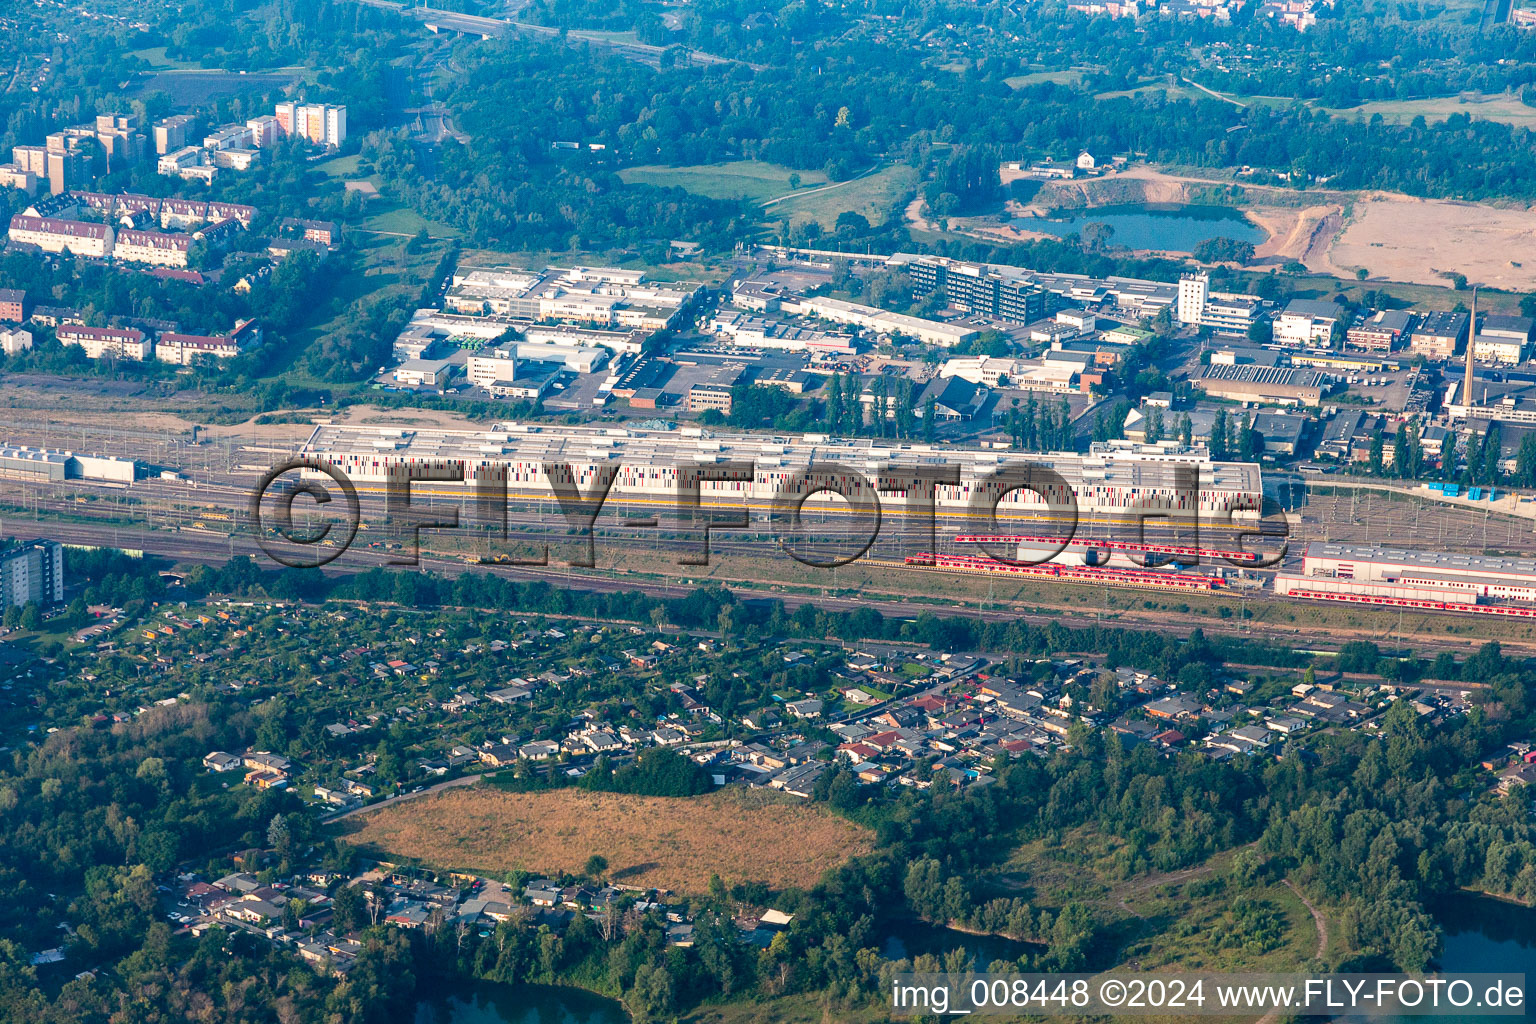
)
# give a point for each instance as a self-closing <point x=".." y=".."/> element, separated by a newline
<point x="516" y="511"/>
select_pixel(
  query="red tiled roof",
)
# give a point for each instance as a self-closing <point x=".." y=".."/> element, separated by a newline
<point x="154" y="240"/>
<point x="55" y="226"/>
<point x="115" y="333"/>
<point x="196" y="340"/>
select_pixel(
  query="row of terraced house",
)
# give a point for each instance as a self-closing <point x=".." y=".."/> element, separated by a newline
<point x="131" y="228"/>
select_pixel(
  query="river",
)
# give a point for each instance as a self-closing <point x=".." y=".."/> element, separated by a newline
<point x="483" y="1002"/>
<point x="1153" y="225"/>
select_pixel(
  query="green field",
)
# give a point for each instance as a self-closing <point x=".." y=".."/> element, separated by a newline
<point x="1172" y="92"/>
<point x="875" y="196"/>
<point x="341" y="166"/>
<point x="1503" y="107"/>
<point x="155" y="57"/>
<point x="1070" y="77"/>
<point x="391" y="217"/>
<point x="740" y="179"/>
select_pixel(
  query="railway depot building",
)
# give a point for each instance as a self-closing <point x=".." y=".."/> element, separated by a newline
<point x="644" y="467"/>
<point x="1362" y="570"/>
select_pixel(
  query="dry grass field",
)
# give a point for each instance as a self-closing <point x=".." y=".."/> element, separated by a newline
<point x="672" y="843"/>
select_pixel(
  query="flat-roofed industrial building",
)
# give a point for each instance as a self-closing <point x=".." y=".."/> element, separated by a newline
<point x="1426" y="575"/>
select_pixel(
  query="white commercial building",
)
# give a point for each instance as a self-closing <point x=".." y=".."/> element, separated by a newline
<point x="483" y="371"/>
<point x="929" y="332"/>
<point x="1490" y="348"/>
<point x="993" y="371"/>
<point x="748" y="331"/>
<point x="604" y="296"/>
<point x="429" y="373"/>
<point x="1306" y="322"/>
<point x="1223" y="312"/>
<point x="1193" y="288"/>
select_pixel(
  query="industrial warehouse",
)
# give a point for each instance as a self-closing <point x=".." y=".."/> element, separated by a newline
<point x="43" y="465"/>
<point x="1111" y="480"/>
<point x="1392" y="577"/>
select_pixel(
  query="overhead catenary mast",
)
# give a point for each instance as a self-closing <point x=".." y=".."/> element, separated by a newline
<point x="1466" y="387"/>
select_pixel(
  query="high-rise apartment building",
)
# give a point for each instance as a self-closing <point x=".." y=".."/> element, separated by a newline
<point x="320" y="123"/>
<point x="32" y="574"/>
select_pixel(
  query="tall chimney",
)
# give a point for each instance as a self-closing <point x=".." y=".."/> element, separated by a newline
<point x="1466" y="388"/>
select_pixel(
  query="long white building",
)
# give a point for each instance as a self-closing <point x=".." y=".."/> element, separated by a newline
<point x="929" y="332"/>
<point x="52" y="234"/>
<point x="1366" y="571"/>
<point x="607" y="296"/>
<point x="645" y="469"/>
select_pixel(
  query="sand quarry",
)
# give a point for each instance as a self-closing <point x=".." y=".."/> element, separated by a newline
<point x="1394" y="237"/>
<point x="1397" y="238"/>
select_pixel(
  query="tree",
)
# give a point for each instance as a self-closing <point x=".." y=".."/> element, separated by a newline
<point x="1525" y="462"/>
<point x="347" y="908"/>
<point x="1224" y="250"/>
<point x="651" y="995"/>
<point x="279" y="836"/>
<point x="1096" y="235"/>
<point x="595" y="866"/>
<point x="1247" y="440"/>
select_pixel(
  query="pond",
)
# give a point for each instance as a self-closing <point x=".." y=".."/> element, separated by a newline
<point x="1482" y="936"/>
<point x="489" y="1003"/>
<point x="1169" y="228"/>
<point x="911" y="938"/>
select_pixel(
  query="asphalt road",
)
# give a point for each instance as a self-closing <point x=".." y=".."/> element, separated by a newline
<point x="463" y="780"/>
